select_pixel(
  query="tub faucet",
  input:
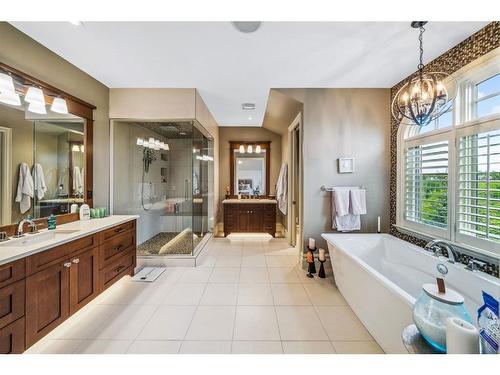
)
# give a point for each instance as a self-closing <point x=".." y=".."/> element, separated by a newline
<point x="434" y="246"/>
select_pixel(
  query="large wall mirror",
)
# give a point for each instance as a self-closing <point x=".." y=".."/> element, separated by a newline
<point x="250" y="168"/>
<point x="43" y="158"/>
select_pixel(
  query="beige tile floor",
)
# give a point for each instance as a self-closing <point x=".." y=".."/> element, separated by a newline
<point x="247" y="295"/>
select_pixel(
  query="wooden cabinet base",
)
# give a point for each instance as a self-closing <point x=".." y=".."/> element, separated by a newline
<point x="12" y="338"/>
<point x="39" y="292"/>
<point x="249" y="218"/>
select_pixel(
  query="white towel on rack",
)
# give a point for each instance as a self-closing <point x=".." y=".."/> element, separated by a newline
<point x="25" y="188"/>
<point x="282" y="189"/>
<point x="358" y="201"/>
<point x="341" y="199"/>
<point x="77" y="181"/>
<point x="39" y="180"/>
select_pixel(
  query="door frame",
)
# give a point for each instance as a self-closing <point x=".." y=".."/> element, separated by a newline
<point x="295" y="173"/>
<point x="6" y="168"/>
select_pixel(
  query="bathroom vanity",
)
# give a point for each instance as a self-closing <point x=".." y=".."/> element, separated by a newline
<point x="47" y="277"/>
<point x="249" y="216"/>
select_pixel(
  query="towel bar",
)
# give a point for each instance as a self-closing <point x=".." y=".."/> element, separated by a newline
<point x="324" y="188"/>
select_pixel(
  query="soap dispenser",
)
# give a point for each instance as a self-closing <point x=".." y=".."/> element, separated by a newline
<point x="84" y="212"/>
<point x="51" y="222"/>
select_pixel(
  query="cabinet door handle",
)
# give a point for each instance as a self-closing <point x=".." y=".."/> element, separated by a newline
<point x="118" y="248"/>
<point x="67" y="264"/>
<point x="118" y="269"/>
<point x="76" y="260"/>
<point x="119" y="230"/>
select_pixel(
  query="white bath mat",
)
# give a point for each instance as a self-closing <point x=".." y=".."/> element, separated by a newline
<point x="148" y="274"/>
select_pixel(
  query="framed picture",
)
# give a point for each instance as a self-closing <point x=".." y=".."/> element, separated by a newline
<point x="346" y="165"/>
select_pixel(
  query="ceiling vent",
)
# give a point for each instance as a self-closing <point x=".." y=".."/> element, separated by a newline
<point x="248" y="106"/>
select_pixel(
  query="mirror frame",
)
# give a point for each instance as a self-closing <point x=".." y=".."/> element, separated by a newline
<point x="235" y="145"/>
<point x="76" y="107"/>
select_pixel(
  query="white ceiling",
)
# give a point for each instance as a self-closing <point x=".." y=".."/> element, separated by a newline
<point x="229" y="67"/>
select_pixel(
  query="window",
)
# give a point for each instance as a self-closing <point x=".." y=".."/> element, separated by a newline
<point x="487" y="100"/>
<point x="449" y="170"/>
<point x="426" y="184"/>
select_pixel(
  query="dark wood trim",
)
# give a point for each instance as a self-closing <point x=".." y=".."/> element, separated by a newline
<point x="77" y="107"/>
<point x="234" y="145"/>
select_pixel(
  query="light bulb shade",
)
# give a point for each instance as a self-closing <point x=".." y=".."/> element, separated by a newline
<point x="6" y="84"/>
<point x="37" y="108"/>
<point x="242" y="149"/>
<point x="166" y="147"/>
<point x="423" y="98"/>
<point x="75" y="148"/>
<point x="257" y="149"/>
<point x="10" y="98"/>
<point x="145" y="144"/>
<point x="59" y="106"/>
<point x="140" y="142"/>
<point x="250" y="149"/>
<point x="82" y="148"/>
<point x="35" y="95"/>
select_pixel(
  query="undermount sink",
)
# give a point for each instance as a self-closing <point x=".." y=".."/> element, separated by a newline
<point x="30" y="239"/>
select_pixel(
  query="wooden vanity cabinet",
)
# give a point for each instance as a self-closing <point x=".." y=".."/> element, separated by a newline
<point x="39" y="292"/>
<point x="249" y="218"/>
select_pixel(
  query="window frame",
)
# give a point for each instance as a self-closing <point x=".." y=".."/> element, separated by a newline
<point x="464" y="122"/>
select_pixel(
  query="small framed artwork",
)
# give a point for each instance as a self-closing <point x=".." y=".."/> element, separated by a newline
<point x="346" y="165"/>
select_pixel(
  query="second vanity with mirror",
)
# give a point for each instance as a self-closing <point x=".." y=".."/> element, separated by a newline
<point x="249" y="209"/>
<point x="45" y="167"/>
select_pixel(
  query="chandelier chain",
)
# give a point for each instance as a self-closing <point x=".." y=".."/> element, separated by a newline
<point x="421" y="42"/>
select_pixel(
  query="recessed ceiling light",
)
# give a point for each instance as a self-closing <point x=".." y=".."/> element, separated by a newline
<point x="248" y="106"/>
<point x="76" y="23"/>
<point x="246" y="26"/>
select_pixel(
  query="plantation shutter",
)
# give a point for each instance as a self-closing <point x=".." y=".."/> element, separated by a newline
<point x="479" y="185"/>
<point x="426" y="185"/>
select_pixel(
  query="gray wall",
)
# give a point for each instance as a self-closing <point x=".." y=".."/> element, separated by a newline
<point x="344" y="123"/>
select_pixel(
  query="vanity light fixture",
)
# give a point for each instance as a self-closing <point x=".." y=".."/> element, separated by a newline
<point x="82" y="148"/>
<point x="8" y="93"/>
<point x="59" y="106"/>
<point x="75" y="148"/>
<point x="250" y="149"/>
<point x="35" y="95"/>
<point x="257" y="149"/>
<point x="242" y="149"/>
<point x="424" y="97"/>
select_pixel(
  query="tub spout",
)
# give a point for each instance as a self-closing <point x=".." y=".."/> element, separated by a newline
<point x="435" y="246"/>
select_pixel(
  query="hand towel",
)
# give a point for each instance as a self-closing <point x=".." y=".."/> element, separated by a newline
<point x="341" y="199"/>
<point x="25" y="188"/>
<point x="358" y="201"/>
<point x="77" y="181"/>
<point x="282" y="189"/>
<point x="39" y="181"/>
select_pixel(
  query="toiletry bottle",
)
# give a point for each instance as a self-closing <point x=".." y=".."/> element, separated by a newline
<point x="84" y="212"/>
<point x="74" y="208"/>
<point x="51" y="222"/>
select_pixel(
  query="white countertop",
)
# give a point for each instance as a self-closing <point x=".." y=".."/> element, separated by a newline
<point x="14" y="248"/>
<point x="267" y="201"/>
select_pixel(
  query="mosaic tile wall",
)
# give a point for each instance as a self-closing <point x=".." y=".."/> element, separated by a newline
<point x="477" y="45"/>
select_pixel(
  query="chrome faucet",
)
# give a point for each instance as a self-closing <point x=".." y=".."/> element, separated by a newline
<point x="20" y="224"/>
<point x="434" y="246"/>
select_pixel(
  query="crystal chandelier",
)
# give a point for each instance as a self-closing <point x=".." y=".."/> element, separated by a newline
<point x="425" y="96"/>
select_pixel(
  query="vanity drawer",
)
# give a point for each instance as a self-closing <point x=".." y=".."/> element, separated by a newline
<point x="115" y="231"/>
<point x="12" y="303"/>
<point x="11" y="272"/>
<point x="47" y="258"/>
<point x="12" y="338"/>
<point x="116" y="269"/>
<point x="115" y="247"/>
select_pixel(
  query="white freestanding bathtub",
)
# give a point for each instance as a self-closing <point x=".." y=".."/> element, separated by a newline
<point x="380" y="276"/>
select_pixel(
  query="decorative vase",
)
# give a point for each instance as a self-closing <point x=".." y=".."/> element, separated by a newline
<point x="431" y="310"/>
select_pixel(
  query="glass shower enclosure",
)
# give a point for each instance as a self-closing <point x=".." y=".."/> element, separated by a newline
<point x="164" y="172"/>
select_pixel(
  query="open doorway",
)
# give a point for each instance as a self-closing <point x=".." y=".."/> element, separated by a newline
<point x="295" y="182"/>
